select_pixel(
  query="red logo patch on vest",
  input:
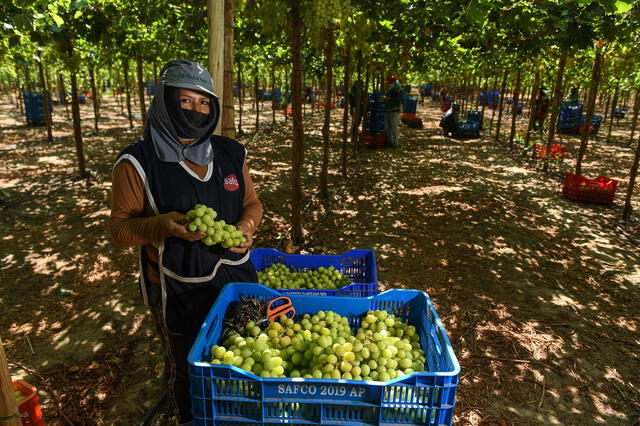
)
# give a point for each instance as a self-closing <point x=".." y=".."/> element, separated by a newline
<point x="231" y="183"/>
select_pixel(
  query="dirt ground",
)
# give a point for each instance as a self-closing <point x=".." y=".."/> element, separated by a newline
<point x="538" y="294"/>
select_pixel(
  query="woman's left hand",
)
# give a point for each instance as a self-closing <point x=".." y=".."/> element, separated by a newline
<point x="248" y="234"/>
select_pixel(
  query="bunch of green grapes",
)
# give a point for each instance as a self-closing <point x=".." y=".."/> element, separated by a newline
<point x="202" y="219"/>
<point x="19" y="396"/>
<point x="279" y="276"/>
<point x="324" y="346"/>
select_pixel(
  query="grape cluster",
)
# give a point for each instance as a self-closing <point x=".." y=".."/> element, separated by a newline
<point x="279" y="276"/>
<point x="324" y="346"/>
<point x="19" y="396"/>
<point x="325" y="13"/>
<point x="202" y="219"/>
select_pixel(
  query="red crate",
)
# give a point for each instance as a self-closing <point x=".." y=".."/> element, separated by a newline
<point x="557" y="152"/>
<point x="408" y="115"/>
<point x="578" y="188"/>
<point x="374" y="141"/>
<point x="445" y="105"/>
<point x="30" y="405"/>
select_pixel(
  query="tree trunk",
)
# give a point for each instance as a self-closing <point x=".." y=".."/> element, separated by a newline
<point x="612" y="108"/>
<point x="228" y="111"/>
<point x="514" y="108"/>
<point x="45" y="100"/>
<point x="632" y="181"/>
<point x="127" y="89"/>
<point x="484" y="101"/>
<point x="94" y="90"/>
<point x="591" y="101"/>
<point x="155" y="73"/>
<point x="326" y="128"/>
<point x="532" y="111"/>
<point x="143" y="108"/>
<point x="77" y="129"/>
<point x="295" y="41"/>
<point x="273" y="94"/>
<point x="503" y="87"/>
<point x="364" y="98"/>
<point x="554" y="110"/>
<point x="357" y="107"/>
<point x="256" y="84"/>
<point x="634" y="121"/>
<point x="606" y="109"/>
<point x="345" y="113"/>
<point x="239" y="97"/>
<point x="493" y="99"/>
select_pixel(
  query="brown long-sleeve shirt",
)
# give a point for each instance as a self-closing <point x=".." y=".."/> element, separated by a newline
<point x="133" y="222"/>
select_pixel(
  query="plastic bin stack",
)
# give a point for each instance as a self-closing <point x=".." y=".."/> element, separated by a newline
<point x="569" y="117"/>
<point x="151" y="88"/>
<point x="474" y="116"/>
<point x="619" y="113"/>
<point x="34" y="108"/>
<point x="596" y="122"/>
<point x="409" y="104"/>
<point x="375" y="115"/>
<point x="277" y="97"/>
<point x="225" y="394"/>
<point x="491" y="100"/>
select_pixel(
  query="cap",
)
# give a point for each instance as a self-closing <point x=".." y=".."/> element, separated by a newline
<point x="188" y="75"/>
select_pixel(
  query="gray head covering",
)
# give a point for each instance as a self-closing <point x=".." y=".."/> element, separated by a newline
<point x="158" y="125"/>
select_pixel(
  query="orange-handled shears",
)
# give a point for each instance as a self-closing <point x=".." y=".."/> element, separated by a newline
<point x="275" y="312"/>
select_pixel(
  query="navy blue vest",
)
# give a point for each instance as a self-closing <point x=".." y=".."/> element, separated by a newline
<point x="191" y="273"/>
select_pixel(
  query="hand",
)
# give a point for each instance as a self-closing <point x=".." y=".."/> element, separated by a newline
<point x="174" y="225"/>
<point x="248" y="234"/>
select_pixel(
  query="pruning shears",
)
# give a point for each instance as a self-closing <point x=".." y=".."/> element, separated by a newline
<point x="282" y="307"/>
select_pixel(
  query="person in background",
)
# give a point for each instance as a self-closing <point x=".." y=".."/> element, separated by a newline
<point x="572" y="97"/>
<point x="541" y="108"/>
<point x="393" y="99"/>
<point x="177" y="164"/>
<point x="449" y="121"/>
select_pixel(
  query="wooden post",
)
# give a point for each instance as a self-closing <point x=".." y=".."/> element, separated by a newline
<point x="8" y="405"/>
<point x="228" y="113"/>
<point x="216" y="50"/>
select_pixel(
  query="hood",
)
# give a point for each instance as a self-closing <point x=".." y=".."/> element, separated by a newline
<point x="158" y="125"/>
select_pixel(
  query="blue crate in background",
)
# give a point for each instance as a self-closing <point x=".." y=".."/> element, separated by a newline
<point x="619" y="113"/>
<point x="474" y="116"/>
<point x="359" y="265"/>
<point x="342" y="102"/>
<point x="34" y="107"/>
<point x="151" y="88"/>
<point x="468" y="129"/>
<point x="410" y="104"/>
<point x="492" y="98"/>
<point x="277" y="96"/>
<point x="223" y="394"/>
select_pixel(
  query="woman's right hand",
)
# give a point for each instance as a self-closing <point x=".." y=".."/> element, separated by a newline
<point x="174" y="224"/>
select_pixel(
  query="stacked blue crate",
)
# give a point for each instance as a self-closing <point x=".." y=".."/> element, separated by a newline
<point x="619" y="113"/>
<point x="151" y="88"/>
<point x="492" y="98"/>
<point x="375" y="115"/>
<point x="569" y="117"/>
<point x="277" y="96"/>
<point x="34" y="108"/>
<point x="409" y="104"/>
<point x="596" y="121"/>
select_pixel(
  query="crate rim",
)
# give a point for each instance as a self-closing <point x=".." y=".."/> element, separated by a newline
<point x="448" y="348"/>
<point x="346" y="287"/>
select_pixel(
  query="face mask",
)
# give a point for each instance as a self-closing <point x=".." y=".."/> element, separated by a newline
<point x="195" y="118"/>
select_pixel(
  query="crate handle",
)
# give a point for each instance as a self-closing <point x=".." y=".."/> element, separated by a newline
<point x="436" y="338"/>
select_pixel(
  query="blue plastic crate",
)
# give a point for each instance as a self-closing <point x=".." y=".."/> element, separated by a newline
<point x="410" y="104"/>
<point x="474" y="116"/>
<point x="228" y="395"/>
<point x="359" y="265"/>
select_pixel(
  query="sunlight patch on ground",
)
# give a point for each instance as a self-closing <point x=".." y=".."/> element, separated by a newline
<point x="564" y="300"/>
<point x="432" y="190"/>
<point x="52" y="160"/>
<point x="42" y="264"/>
<point x="103" y="213"/>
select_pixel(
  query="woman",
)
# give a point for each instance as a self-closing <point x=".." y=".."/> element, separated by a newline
<point x="156" y="180"/>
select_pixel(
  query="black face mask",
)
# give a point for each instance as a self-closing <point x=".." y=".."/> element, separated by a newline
<point x="188" y="124"/>
<point x="195" y="118"/>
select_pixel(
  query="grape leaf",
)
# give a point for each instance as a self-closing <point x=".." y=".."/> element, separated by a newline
<point x="623" y="6"/>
